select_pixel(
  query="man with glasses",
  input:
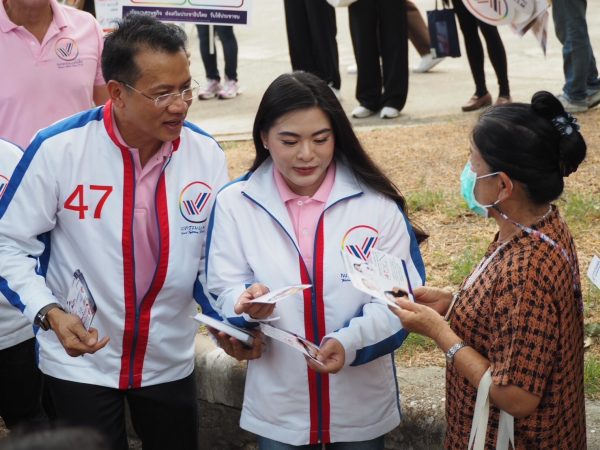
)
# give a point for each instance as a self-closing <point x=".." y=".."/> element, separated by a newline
<point x="122" y="194"/>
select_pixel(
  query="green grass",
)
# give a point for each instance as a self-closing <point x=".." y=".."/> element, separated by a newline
<point x="414" y="344"/>
<point x="591" y="376"/>
<point x="462" y="265"/>
<point x="425" y="200"/>
<point x="580" y="207"/>
<point x="591" y="297"/>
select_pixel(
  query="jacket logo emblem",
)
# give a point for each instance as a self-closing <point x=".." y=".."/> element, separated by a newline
<point x="193" y="201"/>
<point x="360" y="240"/>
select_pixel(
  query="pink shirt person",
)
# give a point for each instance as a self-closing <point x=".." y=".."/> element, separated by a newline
<point x="48" y="81"/>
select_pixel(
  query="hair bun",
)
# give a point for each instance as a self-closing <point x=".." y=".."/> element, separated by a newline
<point x="571" y="146"/>
<point x="546" y="105"/>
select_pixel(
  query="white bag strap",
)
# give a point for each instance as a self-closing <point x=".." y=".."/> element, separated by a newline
<point x="506" y="424"/>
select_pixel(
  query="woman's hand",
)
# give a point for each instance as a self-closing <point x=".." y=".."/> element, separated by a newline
<point x="254" y="310"/>
<point x="420" y="319"/>
<point x="235" y="348"/>
<point x="331" y="355"/>
<point x="437" y="299"/>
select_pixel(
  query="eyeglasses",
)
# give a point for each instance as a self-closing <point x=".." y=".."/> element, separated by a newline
<point x="166" y="100"/>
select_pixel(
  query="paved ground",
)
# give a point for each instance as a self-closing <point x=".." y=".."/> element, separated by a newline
<point x="263" y="55"/>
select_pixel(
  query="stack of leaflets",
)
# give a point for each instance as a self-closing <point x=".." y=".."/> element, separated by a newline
<point x="299" y="343"/>
<point x="239" y="333"/>
<point x="80" y="301"/>
<point x="382" y="276"/>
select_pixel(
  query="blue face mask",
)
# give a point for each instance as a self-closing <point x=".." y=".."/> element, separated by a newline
<point x="468" y="179"/>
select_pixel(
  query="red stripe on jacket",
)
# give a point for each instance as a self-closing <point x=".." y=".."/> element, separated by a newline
<point x="127" y="248"/>
<point x="318" y="281"/>
<point x="157" y="282"/>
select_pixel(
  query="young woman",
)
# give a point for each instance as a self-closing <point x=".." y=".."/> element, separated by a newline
<point x="311" y="194"/>
<point x="520" y="313"/>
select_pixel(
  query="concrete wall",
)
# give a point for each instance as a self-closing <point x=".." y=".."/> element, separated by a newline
<point x="220" y="381"/>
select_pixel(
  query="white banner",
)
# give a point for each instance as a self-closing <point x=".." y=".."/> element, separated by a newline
<point x="216" y="12"/>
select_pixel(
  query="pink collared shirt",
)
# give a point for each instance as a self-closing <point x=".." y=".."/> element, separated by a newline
<point x="145" y="223"/>
<point x="305" y="211"/>
<point x="43" y="83"/>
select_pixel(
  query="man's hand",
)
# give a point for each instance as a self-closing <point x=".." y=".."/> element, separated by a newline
<point x="235" y="348"/>
<point x="332" y="356"/>
<point x="254" y="310"/>
<point x="72" y="334"/>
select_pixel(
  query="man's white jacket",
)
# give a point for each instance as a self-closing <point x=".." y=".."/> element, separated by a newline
<point x="14" y="327"/>
<point x="69" y="206"/>
<point x="251" y="239"/>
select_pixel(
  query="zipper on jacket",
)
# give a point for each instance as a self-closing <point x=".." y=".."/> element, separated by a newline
<point x="313" y="294"/>
<point x="138" y="308"/>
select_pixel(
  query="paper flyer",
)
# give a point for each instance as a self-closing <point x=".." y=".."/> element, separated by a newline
<point x="80" y="301"/>
<point x="594" y="271"/>
<point x="299" y="343"/>
<point x="383" y="276"/>
<point x="280" y="294"/>
<point x="240" y="334"/>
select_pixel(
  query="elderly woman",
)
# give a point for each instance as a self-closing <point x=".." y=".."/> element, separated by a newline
<point x="520" y="313"/>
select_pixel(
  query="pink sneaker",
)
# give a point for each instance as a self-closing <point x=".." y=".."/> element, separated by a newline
<point x="230" y="89"/>
<point x="210" y="90"/>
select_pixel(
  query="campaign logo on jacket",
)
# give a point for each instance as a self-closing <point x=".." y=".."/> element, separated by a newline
<point x="360" y="241"/>
<point x="193" y="205"/>
<point x="3" y="184"/>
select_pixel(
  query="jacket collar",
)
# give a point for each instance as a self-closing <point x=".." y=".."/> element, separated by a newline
<point x="261" y="188"/>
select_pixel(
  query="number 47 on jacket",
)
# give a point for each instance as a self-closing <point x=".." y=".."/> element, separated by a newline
<point x="76" y="201"/>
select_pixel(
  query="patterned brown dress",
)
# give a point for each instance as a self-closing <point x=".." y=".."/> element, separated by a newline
<point x="524" y="313"/>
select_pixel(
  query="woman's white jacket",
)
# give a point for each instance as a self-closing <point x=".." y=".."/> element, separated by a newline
<point x="251" y="240"/>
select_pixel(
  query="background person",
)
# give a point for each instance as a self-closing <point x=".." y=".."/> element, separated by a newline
<point x="123" y="193"/>
<point x="51" y="66"/>
<point x="311" y="186"/>
<point x="470" y="27"/>
<point x="581" y="90"/>
<point x="379" y="38"/>
<point x="520" y="312"/>
<point x="311" y="31"/>
<point x="213" y="87"/>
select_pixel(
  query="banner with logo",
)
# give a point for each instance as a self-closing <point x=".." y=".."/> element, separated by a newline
<point x="216" y="12"/>
<point x="521" y="15"/>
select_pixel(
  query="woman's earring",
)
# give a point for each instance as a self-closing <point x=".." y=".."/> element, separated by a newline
<point x="266" y="148"/>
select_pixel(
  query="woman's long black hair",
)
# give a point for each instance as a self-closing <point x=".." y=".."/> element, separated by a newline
<point x="301" y="90"/>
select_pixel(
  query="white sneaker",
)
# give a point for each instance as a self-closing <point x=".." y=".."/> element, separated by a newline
<point x="211" y="90"/>
<point x="427" y="63"/>
<point x="593" y="99"/>
<point x="352" y="69"/>
<point x="572" y="106"/>
<point x="360" y="112"/>
<point x="230" y="90"/>
<point x="389" y="112"/>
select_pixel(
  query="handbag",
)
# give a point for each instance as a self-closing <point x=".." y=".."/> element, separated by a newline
<point x="506" y="422"/>
<point x="340" y="3"/>
<point x="443" y="34"/>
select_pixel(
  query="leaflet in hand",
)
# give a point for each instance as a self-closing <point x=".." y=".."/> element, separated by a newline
<point x="301" y="344"/>
<point x="80" y="301"/>
<point x="239" y="333"/>
<point x="280" y="294"/>
<point x="594" y="271"/>
<point x="383" y="276"/>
